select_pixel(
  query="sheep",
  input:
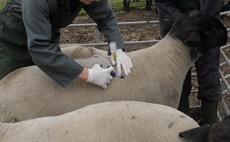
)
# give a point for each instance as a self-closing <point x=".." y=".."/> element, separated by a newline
<point x="128" y="121"/>
<point x="217" y="132"/>
<point x="157" y="75"/>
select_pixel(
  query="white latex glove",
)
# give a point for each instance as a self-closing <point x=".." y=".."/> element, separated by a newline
<point x="122" y="60"/>
<point x="100" y="76"/>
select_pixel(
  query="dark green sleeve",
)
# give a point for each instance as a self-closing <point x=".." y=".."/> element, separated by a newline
<point x="106" y="21"/>
<point x="46" y="55"/>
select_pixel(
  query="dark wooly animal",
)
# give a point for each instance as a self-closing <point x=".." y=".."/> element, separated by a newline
<point x="217" y="132"/>
<point x="199" y="35"/>
<point x="157" y="75"/>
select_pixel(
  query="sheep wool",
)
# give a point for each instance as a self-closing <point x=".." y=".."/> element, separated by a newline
<point x="36" y="95"/>
<point x="122" y="121"/>
<point x="157" y="75"/>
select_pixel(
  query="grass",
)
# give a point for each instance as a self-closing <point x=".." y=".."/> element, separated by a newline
<point x="117" y="5"/>
<point x="2" y="3"/>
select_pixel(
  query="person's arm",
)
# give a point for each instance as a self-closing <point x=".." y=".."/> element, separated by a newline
<point x="105" y="18"/>
<point x="106" y="21"/>
<point x="45" y="54"/>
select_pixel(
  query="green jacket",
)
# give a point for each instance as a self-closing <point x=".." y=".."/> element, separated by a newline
<point x="43" y="20"/>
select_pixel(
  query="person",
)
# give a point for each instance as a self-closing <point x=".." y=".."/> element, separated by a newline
<point x="30" y="31"/>
<point x="207" y="66"/>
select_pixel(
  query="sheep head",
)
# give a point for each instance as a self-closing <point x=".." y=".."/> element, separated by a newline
<point x="217" y="132"/>
<point x="199" y="32"/>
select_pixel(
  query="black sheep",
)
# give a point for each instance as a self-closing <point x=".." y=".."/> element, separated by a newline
<point x="217" y="132"/>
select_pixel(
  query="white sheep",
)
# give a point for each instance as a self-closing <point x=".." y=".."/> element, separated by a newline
<point x="157" y="75"/>
<point x="121" y="121"/>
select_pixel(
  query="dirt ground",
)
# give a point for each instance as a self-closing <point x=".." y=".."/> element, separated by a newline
<point x="139" y="32"/>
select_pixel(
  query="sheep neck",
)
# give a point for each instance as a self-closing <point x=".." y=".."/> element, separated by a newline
<point x="172" y="53"/>
<point x="164" y="64"/>
<point x="173" y="50"/>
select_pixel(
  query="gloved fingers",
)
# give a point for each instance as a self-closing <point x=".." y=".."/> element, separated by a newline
<point x="130" y="63"/>
<point x="127" y="66"/>
<point x="101" y="76"/>
<point x="109" y="69"/>
<point x="125" y="69"/>
<point x="108" y="81"/>
<point x="112" y="60"/>
<point x="97" y="66"/>
<point x="110" y="77"/>
<point x="104" y="86"/>
<point x="118" y="68"/>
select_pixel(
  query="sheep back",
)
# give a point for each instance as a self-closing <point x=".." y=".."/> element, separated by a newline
<point x="35" y="95"/>
<point x="129" y="121"/>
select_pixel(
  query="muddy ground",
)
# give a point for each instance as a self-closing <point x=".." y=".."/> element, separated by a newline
<point x="139" y="32"/>
<point x="129" y="32"/>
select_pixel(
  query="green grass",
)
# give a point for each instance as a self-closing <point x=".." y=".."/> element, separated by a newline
<point x="2" y="3"/>
<point x="118" y="5"/>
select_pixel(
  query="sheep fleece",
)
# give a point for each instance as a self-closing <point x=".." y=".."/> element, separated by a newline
<point x="35" y="95"/>
<point x="122" y="121"/>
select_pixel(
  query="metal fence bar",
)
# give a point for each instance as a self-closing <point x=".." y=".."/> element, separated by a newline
<point x="224" y="80"/>
<point x="105" y="43"/>
<point x="226" y="109"/>
<point x="224" y="13"/>
<point x="224" y="77"/>
<point x="119" y="23"/>
<point x="97" y="43"/>
<point x="224" y="55"/>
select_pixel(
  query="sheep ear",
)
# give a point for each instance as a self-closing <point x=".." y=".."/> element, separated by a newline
<point x="192" y="39"/>
<point x="212" y="32"/>
<point x="197" y="134"/>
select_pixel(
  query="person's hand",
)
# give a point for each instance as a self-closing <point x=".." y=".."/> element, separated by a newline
<point x="122" y="61"/>
<point x="100" y="76"/>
